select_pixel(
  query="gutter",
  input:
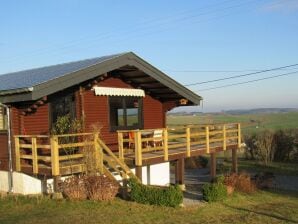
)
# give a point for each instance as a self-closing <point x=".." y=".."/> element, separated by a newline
<point x="10" y="169"/>
<point x="15" y="91"/>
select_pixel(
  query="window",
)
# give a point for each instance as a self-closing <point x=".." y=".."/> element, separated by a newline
<point x="62" y="106"/>
<point x="3" y="119"/>
<point x="125" y="113"/>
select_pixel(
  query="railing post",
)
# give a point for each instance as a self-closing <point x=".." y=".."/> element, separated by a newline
<point x="166" y="145"/>
<point x="34" y="155"/>
<point x="207" y="140"/>
<point x="188" y="141"/>
<point x="120" y="145"/>
<point x="17" y="153"/>
<point x="239" y="135"/>
<point x="138" y="148"/>
<point x="98" y="154"/>
<point x="55" y="155"/>
<point x="224" y="137"/>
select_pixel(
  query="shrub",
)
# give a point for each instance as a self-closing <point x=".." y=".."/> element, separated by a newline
<point x="245" y="184"/>
<point x="284" y="144"/>
<point x="164" y="196"/>
<point x="100" y="188"/>
<point x="74" y="188"/>
<point x="89" y="187"/>
<point x="240" y="182"/>
<point x="216" y="191"/>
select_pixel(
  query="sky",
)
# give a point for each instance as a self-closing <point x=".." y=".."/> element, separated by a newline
<point x="192" y="41"/>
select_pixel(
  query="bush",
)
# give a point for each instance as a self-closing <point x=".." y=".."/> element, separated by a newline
<point x="164" y="196"/>
<point x="284" y="143"/>
<point x="74" y="188"/>
<point x="100" y="188"/>
<point x="214" y="192"/>
<point x="92" y="187"/>
<point x="240" y="182"/>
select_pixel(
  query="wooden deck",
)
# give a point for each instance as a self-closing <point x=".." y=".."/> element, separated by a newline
<point x="176" y="142"/>
<point x="65" y="154"/>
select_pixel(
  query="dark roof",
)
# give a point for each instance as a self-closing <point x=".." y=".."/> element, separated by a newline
<point x="33" y="77"/>
<point x="36" y="83"/>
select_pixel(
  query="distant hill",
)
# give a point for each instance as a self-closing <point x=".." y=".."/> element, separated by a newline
<point x="240" y="111"/>
<point x="261" y="111"/>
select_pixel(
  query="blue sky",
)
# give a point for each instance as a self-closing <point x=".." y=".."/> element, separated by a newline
<point x="192" y="41"/>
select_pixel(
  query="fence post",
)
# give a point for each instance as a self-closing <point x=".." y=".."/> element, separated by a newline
<point x="224" y="137"/>
<point x="188" y="141"/>
<point x="207" y="140"/>
<point x="17" y="153"/>
<point x="120" y="145"/>
<point x="138" y="148"/>
<point x="55" y="155"/>
<point x="34" y="155"/>
<point x="166" y="145"/>
<point x="239" y="135"/>
<point x="98" y="154"/>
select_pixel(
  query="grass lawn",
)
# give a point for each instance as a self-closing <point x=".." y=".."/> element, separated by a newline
<point x="249" y="122"/>
<point x="261" y="207"/>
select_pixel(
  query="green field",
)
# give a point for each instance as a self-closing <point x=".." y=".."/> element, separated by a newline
<point x="249" y="122"/>
<point x="262" y="207"/>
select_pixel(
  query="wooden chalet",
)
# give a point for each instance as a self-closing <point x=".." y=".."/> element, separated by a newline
<point x="126" y="96"/>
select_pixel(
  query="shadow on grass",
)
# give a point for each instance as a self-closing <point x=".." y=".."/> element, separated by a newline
<point x="262" y="213"/>
<point x="288" y="193"/>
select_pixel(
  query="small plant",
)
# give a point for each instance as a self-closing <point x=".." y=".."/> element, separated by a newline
<point x="171" y="196"/>
<point x="240" y="182"/>
<point x="100" y="188"/>
<point x="245" y="184"/>
<point x="74" y="188"/>
<point x="216" y="191"/>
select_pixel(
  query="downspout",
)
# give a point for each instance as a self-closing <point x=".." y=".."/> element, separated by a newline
<point x="10" y="169"/>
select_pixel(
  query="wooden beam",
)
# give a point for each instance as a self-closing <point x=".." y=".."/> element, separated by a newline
<point x="213" y="165"/>
<point x="234" y="161"/>
<point x="139" y="172"/>
<point x="179" y="172"/>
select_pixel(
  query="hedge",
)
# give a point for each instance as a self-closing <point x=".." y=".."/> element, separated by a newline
<point x="171" y="196"/>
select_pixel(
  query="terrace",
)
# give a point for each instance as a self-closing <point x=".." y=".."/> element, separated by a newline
<point x="59" y="155"/>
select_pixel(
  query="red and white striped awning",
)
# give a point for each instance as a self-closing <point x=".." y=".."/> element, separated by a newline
<point x="111" y="91"/>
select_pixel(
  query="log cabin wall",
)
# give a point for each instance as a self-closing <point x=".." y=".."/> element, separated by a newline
<point x="3" y="151"/>
<point x="96" y="110"/>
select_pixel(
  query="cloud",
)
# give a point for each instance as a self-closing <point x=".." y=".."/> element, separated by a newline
<point x="283" y="6"/>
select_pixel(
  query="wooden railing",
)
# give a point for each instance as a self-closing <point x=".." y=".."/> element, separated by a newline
<point x="205" y="137"/>
<point x="58" y="152"/>
<point x="43" y="151"/>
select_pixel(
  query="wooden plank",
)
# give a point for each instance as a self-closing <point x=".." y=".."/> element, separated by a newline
<point x="55" y="156"/>
<point x="25" y="146"/>
<point x="188" y="142"/>
<point x="120" y="145"/>
<point x="73" y="135"/>
<point x="207" y="140"/>
<point x="69" y="157"/>
<point x="77" y="144"/>
<point x="34" y="156"/>
<point x="176" y="145"/>
<point x="166" y="144"/>
<point x="239" y="135"/>
<point x="224" y="144"/>
<point x="138" y="148"/>
<point x="17" y="153"/>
